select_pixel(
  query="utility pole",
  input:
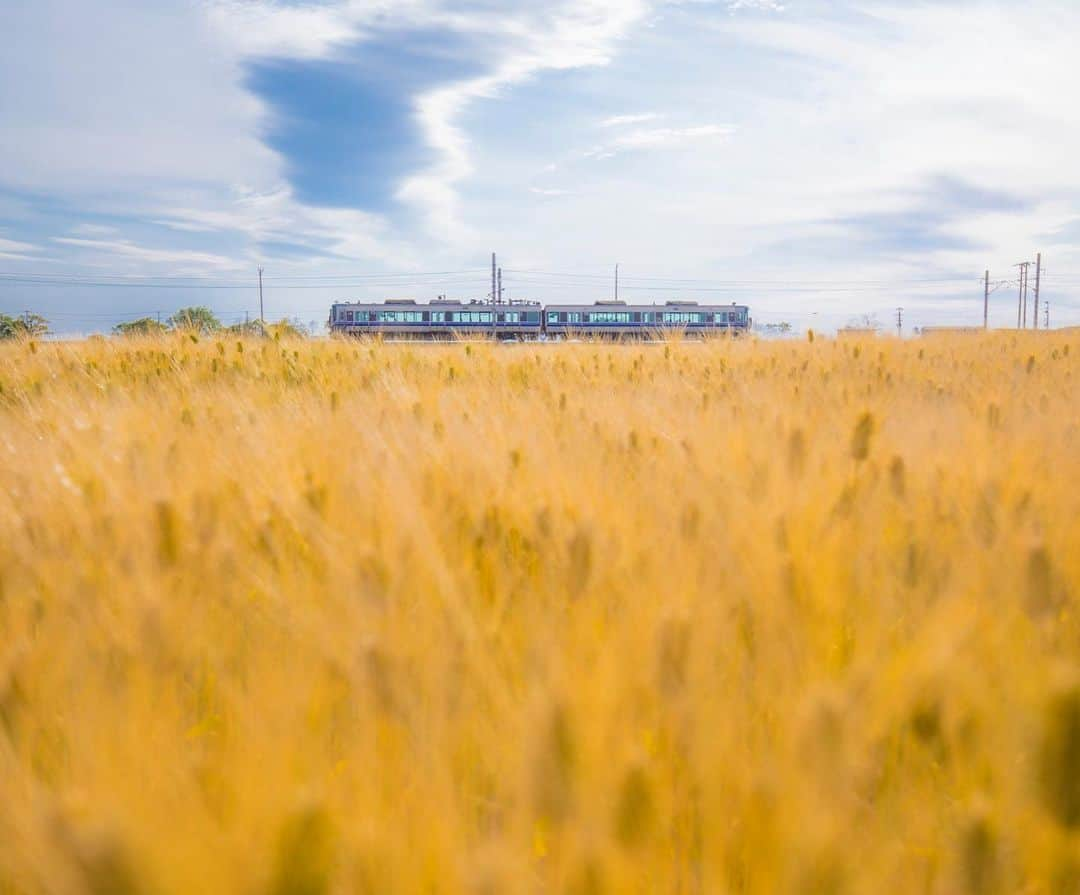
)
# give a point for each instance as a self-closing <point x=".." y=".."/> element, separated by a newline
<point x="262" y="317"/>
<point x="616" y="282"/>
<point x="1021" y="298"/>
<point x="900" y="322"/>
<point x="494" y="295"/>
<point x="500" y="292"/>
<point x="1038" y="276"/>
<point x="986" y="302"/>
<point x="1027" y="267"/>
<point x="1046" y="314"/>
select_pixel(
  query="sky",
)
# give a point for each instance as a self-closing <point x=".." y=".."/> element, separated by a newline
<point x="823" y="161"/>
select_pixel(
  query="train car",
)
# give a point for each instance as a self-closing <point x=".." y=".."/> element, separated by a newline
<point x="439" y="319"/>
<point x="618" y="319"/>
<point x="406" y="319"/>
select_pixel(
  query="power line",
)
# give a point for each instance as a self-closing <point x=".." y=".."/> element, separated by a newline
<point x="202" y="277"/>
<point x="101" y="284"/>
<point x="747" y="282"/>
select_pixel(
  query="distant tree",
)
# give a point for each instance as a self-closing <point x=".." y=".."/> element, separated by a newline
<point x="287" y="329"/>
<point x="198" y="319"/>
<point x="27" y="326"/>
<point x="254" y="328"/>
<point x="864" y="321"/>
<point x="144" y="326"/>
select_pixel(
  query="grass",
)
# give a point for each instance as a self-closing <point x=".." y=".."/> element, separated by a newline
<point x="341" y="617"/>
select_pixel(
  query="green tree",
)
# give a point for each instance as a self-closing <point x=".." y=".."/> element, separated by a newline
<point x="144" y="326"/>
<point x="197" y="319"/>
<point x="254" y="328"/>
<point x="287" y="329"/>
<point x="24" y="327"/>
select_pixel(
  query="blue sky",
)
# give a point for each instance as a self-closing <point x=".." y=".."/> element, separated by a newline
<point x="821" y="161"/>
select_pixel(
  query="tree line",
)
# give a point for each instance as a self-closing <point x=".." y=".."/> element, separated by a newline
<point x="200" y="320"/>
<point x="25" y="327"/>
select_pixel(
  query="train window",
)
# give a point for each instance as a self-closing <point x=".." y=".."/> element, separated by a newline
<point x="682" y="318"/>
<point x="472" y="317"/>
<point x="349" y="316"/>
<point x="553" y="317"/>
<point x="609" y="317"/>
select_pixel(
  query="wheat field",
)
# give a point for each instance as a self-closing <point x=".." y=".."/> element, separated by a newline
<point x="342" y="617"/>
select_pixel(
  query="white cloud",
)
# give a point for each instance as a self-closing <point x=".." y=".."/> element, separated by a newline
<point x="556" y="37"/>
<point x="150" y="99"/>
<point x="659" y="138"/>
<point x="180" y="261"/>
<point x="278" y="30"/>
<point x="12" y="245"/>
<point x="766" y="5"/>
<point x="623" y="120"/>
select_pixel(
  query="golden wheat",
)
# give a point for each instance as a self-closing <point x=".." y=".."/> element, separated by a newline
<point x="342" y="617"/>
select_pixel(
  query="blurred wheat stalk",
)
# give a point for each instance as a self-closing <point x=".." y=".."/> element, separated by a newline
<point x="733" y="617"/>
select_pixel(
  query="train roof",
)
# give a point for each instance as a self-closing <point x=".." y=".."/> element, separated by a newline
<point x="435" y="303"/>
<point x="675" y="304"/>
<point x="521" y="303"/>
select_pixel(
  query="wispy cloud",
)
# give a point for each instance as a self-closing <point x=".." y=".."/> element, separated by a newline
<point x="550" y="193"/>
<point x="181" y="260"/>
<point x="13" y="245"/>
<point x="623" y="120"/>
<point x="765" y="5"/>
<point x="659" y="138"/>
<point x="555" y="37"/>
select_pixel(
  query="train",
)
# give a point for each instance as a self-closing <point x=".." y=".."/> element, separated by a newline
<point x="530" y="321"/>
